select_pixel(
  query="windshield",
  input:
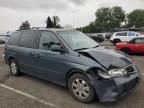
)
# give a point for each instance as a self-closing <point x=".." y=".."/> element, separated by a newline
<point x="77" y="40"/>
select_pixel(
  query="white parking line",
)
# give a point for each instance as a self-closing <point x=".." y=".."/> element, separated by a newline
<point x="28" y="95"/>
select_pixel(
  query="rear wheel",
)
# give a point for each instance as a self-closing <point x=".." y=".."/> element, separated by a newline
<point x="126" y="50"/>
<point x="80" y="88"/>
<point x="14" y="69"/>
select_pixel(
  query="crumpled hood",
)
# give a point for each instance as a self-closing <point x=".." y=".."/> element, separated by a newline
<point x="108" y="58"/>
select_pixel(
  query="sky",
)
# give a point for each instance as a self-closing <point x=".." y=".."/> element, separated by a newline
<point x="71" y="12"/>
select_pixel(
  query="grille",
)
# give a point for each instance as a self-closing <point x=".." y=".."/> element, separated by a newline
<point x="129" y="68"/>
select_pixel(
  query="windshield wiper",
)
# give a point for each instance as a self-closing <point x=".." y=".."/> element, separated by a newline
<point x="86" y="48"/>
<point x="96" y="46"/>
<point x="80" y="49"/>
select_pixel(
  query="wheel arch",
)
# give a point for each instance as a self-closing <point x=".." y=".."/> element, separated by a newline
<point x="72" y="72"/>
<point x="89" y="73"/>
<point x="10" y="58"/>
<point x="125" y="48"/>
<point x="117" y="39"/>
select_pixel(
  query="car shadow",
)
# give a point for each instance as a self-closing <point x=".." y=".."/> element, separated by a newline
<point x="137" y="55"/>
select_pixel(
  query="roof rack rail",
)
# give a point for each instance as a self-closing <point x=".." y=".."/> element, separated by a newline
<point x="37" y="27"/>
<point x="22" y="30"/>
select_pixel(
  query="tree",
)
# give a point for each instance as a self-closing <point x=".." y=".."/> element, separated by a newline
<point x="108" y="19"/>
<point x="53" y="22"/>
<point x="49" y="23"/>
<point x="103" y="17"/>
<point x="56" y="21"/>
<point x="118" y="17"/>
<point x="136" y="18"/>
<point x="91" y="28"/>
<point x="25" y="26"/>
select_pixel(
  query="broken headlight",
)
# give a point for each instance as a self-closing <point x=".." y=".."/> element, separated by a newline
<point x="112" y="73"/>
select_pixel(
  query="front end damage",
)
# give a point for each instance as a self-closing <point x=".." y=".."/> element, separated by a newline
<point x="117" y="77"/>
<point x="110" y="90"/>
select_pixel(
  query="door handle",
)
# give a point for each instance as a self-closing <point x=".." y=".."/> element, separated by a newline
<point x="38" y="55"/>
<point x="31" y="54"/>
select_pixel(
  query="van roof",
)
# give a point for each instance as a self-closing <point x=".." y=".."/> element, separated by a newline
<point x="49" y="29"/>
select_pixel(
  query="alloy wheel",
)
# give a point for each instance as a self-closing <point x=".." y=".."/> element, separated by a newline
<point x="13" y="68"/>
<point x="80" y="88"/>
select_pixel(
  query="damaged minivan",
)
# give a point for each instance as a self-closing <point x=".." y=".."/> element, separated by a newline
<point x="71" y="59"/>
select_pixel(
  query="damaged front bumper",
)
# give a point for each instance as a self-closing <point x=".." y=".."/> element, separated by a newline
<point x="109" y="90"/>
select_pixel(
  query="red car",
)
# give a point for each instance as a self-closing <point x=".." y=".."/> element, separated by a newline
<point x="136" y="45"/>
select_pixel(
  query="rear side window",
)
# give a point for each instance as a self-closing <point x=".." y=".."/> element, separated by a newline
<point x="122" y="34"/>
<point x="14" y="38"/>
<point x="29" y="39"/>
<point x="131" y="34"/>
<point x="139" y="41"/>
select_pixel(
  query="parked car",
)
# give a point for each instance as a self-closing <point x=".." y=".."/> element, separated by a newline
<point x="71" y="59"/>
<point x="2" y="39"/>
<point x="136" y="45"/>
<point x="124" y="36"/>
<point x="108" y="36"/>
<point x="98" y="38"/>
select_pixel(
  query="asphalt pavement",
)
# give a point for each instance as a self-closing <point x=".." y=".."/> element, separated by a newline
<point x="29" y="92"/>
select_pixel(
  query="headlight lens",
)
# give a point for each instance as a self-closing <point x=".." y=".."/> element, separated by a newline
<point x="104" y="74"/>
<point x="112" y="73"/>
<point x="117" y="72"/>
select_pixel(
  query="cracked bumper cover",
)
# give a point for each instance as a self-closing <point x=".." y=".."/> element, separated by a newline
<point x="111" y="90"/>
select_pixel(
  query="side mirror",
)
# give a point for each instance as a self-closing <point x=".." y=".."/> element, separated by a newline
<point x="56" y="48"/>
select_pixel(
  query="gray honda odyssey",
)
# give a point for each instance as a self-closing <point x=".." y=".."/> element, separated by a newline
<point x="71" y="59"/>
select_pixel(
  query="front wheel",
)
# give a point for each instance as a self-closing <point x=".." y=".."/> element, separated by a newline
<point x="126" y="50"/>
<point x="80" y="88"/>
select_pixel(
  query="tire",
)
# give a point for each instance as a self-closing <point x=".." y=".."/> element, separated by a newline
<point x="126" y="50"/>
<point x="14" y="69"/>
<point x="97" y="40"/>
<point x="80" y="88"/>
<point x="100" y="40"/>
<point x="116" y="41"/>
